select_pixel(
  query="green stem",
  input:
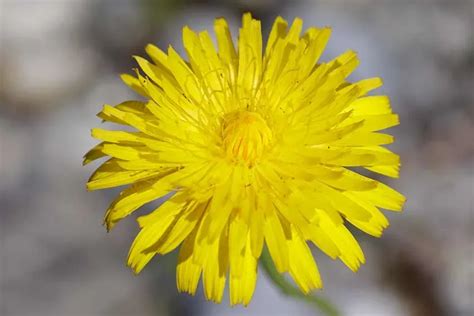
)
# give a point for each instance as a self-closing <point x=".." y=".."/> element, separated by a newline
<point x="326" y="307"/>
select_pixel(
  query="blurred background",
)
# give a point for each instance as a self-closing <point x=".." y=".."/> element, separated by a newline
<point x="60" y="60"/>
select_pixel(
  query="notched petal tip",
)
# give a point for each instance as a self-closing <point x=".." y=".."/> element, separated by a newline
<point x="247" y="16"/>
<point x="89" y="186"/>
<point x="86" y="160"/>
<point x="187" y="28"/>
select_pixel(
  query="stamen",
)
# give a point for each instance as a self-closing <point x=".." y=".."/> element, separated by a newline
<point x="245" y="136"/>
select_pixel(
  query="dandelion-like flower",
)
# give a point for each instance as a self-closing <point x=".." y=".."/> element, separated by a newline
<point x="252" y="148"/>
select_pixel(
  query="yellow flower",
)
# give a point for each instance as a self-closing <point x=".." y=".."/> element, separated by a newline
<point x="253" y="148"/>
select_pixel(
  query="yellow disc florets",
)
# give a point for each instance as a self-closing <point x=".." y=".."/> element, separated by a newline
<point x="245" y="137"/>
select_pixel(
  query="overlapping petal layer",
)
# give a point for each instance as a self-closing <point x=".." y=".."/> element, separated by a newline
<point x="256" y="148"/>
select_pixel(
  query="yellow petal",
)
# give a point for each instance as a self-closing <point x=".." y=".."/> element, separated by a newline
<point x="275" y="236"/>
<point x="133" y="198"/>
<point x="157" y="55"/>
<point x="134" y="83"/>
<point x="238" y="238"/>
<point x="278" y="31"/>
<point x="215" y="269"/>
<point x="179" y="230"/>
<point x="343" y="204"/>
<point x="303" y="269"/>
<point x="187" y="271"/>
<point x="152" y="230"/>
<point x="256" y="224"/>
<point x="377" y="223"/>
<point x="350" y="252"/>
<point x="316" y="42"/>
<point x="115" y="136"/>
<point x="242" y="285"/>
<point x="219" y="210"/>
<point x="110" y="175"/>
<point x="94" y="154"/>
<point x="383" y="196"/>
<point x="323" y="241"/>
<point x="185" y="77"/>
<point x="224" y="41"/>
<point x="295" y="30"/>
<point x="364" y="139"/>
<point x="349" y="180"/>
<point x="250" y="54"/>
<point x="371" y="105"/>
<point x="390" y="171"/>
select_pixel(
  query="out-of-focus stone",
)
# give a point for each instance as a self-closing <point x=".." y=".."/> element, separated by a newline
<point x="44" y="59"/>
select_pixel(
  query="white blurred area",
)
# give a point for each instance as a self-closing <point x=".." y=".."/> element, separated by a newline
<point x="60" y="60"/>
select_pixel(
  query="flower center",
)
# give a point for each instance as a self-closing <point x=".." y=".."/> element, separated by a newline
<point x="245" y="136"/>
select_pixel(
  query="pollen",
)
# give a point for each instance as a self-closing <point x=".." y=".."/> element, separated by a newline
<point x="245" y="137"/>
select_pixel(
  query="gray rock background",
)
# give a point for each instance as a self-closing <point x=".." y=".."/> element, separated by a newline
<point x="59" y="62"/>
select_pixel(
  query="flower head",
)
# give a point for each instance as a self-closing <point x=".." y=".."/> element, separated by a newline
<point x="252" y="147"/>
